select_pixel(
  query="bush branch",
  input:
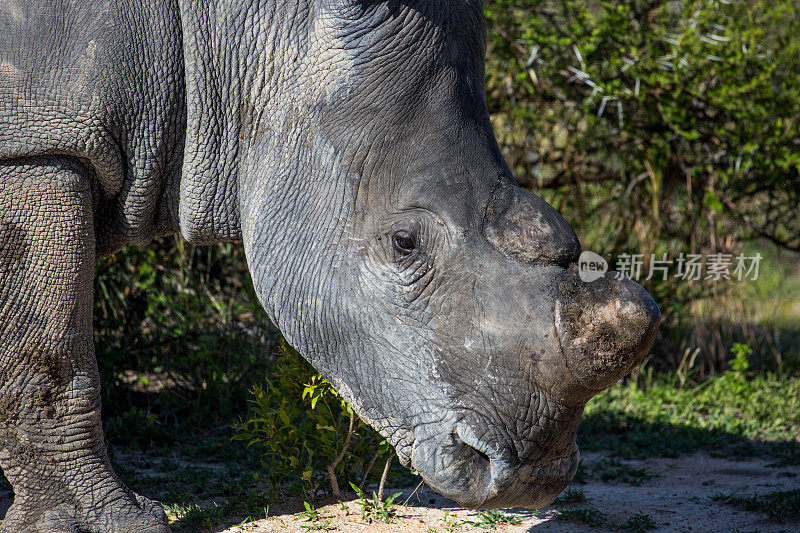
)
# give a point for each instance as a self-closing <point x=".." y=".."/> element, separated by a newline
<point x="332" y="467"/>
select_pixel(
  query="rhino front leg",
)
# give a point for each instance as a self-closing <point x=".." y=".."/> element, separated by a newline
<point x="51" y="440"/>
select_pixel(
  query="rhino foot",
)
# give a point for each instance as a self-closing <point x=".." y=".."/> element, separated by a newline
<point x="137" y="515"/>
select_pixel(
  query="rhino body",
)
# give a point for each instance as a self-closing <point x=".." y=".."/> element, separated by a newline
<point x="347" y="145"/>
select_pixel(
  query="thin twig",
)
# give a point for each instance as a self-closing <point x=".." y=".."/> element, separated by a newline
<point x="383" y="476"/>
<point x="413" y="492"/>
<point x="509" y="40"/>
<point x="755" y="226"/>
<point x="368" y="470"/>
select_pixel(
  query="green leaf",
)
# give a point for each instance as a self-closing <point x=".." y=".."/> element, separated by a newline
<point x="711" y="201"/>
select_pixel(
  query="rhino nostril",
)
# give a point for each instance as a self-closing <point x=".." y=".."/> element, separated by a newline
<point x="482" y="455"/>
<point x="470" y="449"/>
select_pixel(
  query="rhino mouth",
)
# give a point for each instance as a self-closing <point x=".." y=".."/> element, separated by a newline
<point x="467" y="471"/>
<point x="518" y="483"/>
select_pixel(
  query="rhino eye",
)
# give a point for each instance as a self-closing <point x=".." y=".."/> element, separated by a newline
<point x="404" y="242"/>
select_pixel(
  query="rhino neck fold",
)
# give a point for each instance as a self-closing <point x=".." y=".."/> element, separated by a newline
<point x="224" y="65"/>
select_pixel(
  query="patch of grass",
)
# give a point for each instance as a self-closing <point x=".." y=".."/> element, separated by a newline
<point x="785" y="461"/>
<point x="167" y="465"/>
<point x="594" y="518"/>
<point x="779" y="505"/>
<point x="638" y="522"/>
<point x="589" y="516"/>
<point x="571" y="496"/>
<point x="492" y="519"/>
<point x="613" y="470"/>
<point x="736" y="414"/>
<point x="608" y="469"/>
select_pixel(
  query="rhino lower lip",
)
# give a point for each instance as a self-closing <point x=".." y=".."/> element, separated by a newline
<point x="499" y="475"/>
<point x="520" y="489"/>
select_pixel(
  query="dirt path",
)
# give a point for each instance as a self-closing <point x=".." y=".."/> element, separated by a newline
<point x="676" y="498"/>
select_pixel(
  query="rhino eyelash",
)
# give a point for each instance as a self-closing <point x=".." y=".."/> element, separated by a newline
<point x="405" y="243"/>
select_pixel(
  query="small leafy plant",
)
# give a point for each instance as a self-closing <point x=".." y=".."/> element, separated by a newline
<point x="449" y="522"/>
<point x="614" y="470"/>
<point x="590" y="516"/>
<point x="375" y="509"/>
<point x="638" y="522"/>
<point x="318" y="521"/>
<point x="571" y="496"/>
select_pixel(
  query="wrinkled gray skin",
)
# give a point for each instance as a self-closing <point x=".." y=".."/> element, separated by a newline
<point x="348" y="145"/>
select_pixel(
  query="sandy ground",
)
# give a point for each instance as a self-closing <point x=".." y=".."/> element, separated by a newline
<point x="677" y="498"/>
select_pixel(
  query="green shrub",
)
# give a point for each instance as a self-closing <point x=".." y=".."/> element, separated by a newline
<point x="675" y="109"/>
<point x="301" y="424"/>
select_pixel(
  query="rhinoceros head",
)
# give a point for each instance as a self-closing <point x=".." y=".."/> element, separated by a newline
<point x="389" y="242"/>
